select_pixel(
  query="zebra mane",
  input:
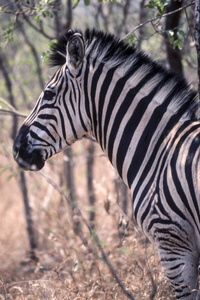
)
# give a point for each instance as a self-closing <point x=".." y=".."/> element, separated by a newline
<point x="110" y="49"/>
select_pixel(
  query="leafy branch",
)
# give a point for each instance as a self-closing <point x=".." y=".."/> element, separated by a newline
<point x="160" y="6"/>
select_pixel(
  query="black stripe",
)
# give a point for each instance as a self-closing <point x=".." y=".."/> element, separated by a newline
<point x="143" y="144"/>
<point x="194" y="147"/>
<point x="80" y="110"/>
<point x="132" y="122"/>
<point x="149" y="163"/>
<point x="170" y="200"/>
<point x="95" y="79"/>
<point x="70" y="118"/>
<point x="175" y="177"/>
<point x="85" y="89"/>
<point x="37" y="138"/>
<point x="71" y="102"/>
<point x="47" y="117"/>
<point x="102" y="97"/>
<point x="44" y="128"/>
<point x="119" y="85"/>
<point x="73" y="89"/>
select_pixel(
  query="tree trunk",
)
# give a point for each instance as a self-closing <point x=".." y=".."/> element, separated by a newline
<point x="69" y="15"/>
<point x="70" y="183"/>
<point x="172" y="23"/>
<point x="197" y="37"/>
<point x="57" y="17"/>
<point x="29" y="222"/>
<point x="122" y="201"/>
<point x="142" y="17"/>
<point x="22" y="181"/>
<point x="8" y="82"/>
<point x="90" y="186"/>
<point x="34" y="53"/>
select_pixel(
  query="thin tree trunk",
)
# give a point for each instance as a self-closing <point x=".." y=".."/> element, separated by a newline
<point x="69" y="15"/>
<point x="57" y="17"/>
<point x="22" y="181"/>
<point x="34" y="53"/>
<point x="29" y="222"/>
<point x="142" y="17"/>
<point x="197" y="37"/>
<point x="3" y="68"/>
<point x="90" y="186"/>
<point x="125" y="12"/>
<point x="70" y="183"/>
<point x="172" y="23"/>
<point x="122" y="201"/>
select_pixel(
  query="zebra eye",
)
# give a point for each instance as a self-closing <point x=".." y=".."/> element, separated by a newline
<point x="48" y="95"/>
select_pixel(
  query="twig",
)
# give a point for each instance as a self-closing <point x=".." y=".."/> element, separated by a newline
<point x="93" y="235"/>
<point x="12" y="110"/>
<point x="158" y="17"/>
<point x="26" y="18"/>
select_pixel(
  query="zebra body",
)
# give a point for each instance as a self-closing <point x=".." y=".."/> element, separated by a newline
<point x="145" y="120"/>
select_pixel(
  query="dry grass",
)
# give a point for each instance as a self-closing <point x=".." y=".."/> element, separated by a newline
<point x="66" y="268"/>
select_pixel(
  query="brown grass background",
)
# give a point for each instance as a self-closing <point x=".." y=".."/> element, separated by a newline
<point x="66" y="268"/>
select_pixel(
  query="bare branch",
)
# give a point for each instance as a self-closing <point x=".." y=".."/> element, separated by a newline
<point x="157" y="18"/>
<point x="11" y="110"/>
<point x="38" y="29"/>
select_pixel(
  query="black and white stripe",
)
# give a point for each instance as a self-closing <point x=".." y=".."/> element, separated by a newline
<point x="146" y="119"/>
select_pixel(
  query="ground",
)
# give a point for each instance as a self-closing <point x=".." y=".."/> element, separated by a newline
<point x="67" y="266"/>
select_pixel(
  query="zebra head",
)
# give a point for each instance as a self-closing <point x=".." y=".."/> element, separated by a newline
<point x="56" y="121"/>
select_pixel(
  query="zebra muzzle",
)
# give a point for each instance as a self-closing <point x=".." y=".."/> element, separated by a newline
<point x="27" y="158"/>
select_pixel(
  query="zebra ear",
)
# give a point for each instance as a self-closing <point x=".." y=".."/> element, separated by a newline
<point x="75" y="52"/>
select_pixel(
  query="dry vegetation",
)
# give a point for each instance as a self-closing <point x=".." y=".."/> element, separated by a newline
<point x="66" y="268"/>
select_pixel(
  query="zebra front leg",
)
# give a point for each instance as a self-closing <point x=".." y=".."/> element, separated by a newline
<point x="181" y="267"/>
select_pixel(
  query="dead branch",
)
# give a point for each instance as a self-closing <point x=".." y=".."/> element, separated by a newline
<point x="12" y="111"/>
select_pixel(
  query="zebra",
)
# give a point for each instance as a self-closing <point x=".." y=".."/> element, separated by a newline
<point x="145" y="119"/>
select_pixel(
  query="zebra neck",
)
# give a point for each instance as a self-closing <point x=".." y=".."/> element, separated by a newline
<point x="131" y="111"/>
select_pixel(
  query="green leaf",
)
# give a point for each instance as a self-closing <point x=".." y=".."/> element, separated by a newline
<point x="37" y="18"/>
<point x="87" y="2"/>
<point x="170" y="32"/>
<point x="76" y="2"/>
<point x="181" y="33"/>
<point x="45" y="56"/>
<point x="180" y="45"/>
<point x="159" y="5"/>
<point x="171" y="39"/>
<point x="131" y="40"/>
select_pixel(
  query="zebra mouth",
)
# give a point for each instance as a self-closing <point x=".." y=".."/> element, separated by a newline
<point x="27" y="157"/>
<point x="28" y="161"/>
<point x="32" y="165"/>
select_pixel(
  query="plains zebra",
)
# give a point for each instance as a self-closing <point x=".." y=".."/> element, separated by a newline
<point x="145" y="118"/>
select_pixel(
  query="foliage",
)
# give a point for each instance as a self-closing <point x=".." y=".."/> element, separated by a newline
<point x="176" y="42"/>
<point x="45" y="55"/>
<point x="159" y="5"/>
<point x="44" y="10"/>
<point x="131" y="40"/>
